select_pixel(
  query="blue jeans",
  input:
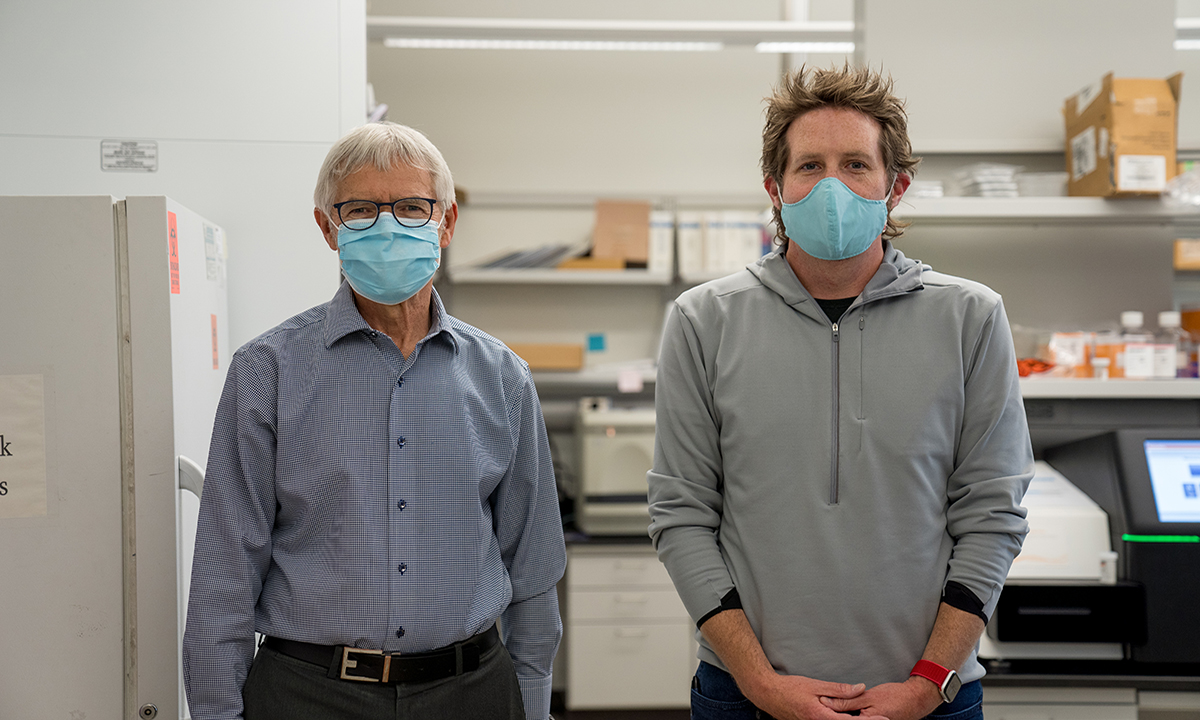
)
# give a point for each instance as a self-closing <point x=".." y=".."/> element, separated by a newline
<point x="715" y="696"/>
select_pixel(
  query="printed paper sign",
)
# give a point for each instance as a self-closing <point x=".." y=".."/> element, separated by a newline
<point x="214" y="340"/>
<point x="173" y="251"/>
<point x="22" y="446"/>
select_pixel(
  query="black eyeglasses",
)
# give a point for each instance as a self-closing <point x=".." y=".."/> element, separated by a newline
<point x="412" y="212"/>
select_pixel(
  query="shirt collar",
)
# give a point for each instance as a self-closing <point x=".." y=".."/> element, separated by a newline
<point x="342" y="318"/>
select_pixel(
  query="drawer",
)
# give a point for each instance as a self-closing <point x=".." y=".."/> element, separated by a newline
<point x="617" y="569"/>
<point x="1003" y="711"/>
<point x="626" y="604"/>
<point x="630" y="666"/>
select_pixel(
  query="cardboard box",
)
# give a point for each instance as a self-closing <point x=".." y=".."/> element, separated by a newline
<point x="622" y="231"/>
<point x="1121" y="135"/>
<point x="1187" y="255"/>
<point x="550" y="356"/>
<point x="592" y="263"/>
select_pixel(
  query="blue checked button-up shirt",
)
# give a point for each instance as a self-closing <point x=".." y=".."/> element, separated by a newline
<point x="357" y="497"/>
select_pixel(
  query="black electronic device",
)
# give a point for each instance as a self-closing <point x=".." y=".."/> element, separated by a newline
<point x="1148" y="481"/>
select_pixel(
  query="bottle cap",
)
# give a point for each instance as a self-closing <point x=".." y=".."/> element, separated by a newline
<point x="1168" y="319"/>
<point x="1132" y="319"/>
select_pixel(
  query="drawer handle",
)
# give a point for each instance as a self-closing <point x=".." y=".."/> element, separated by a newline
<point x="631" y="632"/>
<point x="631" y="564"/>
<point x="628" y="599"/>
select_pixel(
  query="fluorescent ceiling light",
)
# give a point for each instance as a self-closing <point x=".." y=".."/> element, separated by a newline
<point x="1187" y="44"/>
<point x="805" y="47"/>
<point x="482" y="44"/>
<point x="1187" y="23"/>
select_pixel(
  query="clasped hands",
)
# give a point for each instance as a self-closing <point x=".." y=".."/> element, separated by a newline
<point x="791" y="697"/>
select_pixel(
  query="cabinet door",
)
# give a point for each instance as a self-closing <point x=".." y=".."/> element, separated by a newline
<point x="630" y="665"/>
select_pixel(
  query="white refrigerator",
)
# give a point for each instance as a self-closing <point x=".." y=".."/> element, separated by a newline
<point x="113" y="352"/>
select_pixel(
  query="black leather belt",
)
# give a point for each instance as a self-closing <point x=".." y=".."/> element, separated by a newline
<point x="374" y="666"/>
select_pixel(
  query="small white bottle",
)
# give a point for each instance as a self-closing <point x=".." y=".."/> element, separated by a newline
<point x="1137" y="356"/>
<point x="1174" y="347"/>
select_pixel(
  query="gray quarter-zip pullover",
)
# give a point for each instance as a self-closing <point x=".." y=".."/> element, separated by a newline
<point x="838" y="474"/>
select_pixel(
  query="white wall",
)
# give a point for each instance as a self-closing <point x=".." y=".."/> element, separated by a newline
<point x="605" y="124"/>
<point x="244" y="99"/>
<point x="993" y="76"/>
<point x="979" y="78"/>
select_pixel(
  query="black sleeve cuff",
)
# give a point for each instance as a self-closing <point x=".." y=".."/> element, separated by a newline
<point x="731" y="601"/>
<point x="956" y="595"/>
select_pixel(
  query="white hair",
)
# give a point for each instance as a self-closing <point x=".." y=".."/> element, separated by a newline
<point x="383" y="145"/>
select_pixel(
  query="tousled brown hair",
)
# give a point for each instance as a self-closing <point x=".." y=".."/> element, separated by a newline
<point x="861" y="89"/>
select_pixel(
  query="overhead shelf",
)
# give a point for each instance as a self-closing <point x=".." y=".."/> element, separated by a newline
<point x="604" y="382"/>
<point x="1047" y="388"/>
<point x="733" y="33"/>
<point x="542" y="276"/>
<point x="587" y="201"/>
<point x="1073" y="210"/>
<point x="943" y="209"/>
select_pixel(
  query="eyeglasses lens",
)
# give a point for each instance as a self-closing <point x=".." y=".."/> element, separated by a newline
<point x="359" y="215"/>
<point x="410" y="212"/>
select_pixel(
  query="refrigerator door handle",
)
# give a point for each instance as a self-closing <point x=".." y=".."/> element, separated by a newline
<point x="191" y="476"/>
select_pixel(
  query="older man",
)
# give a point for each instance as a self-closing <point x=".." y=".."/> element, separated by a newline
<point x="379" y="489"/>
<point x="841" y="446"/>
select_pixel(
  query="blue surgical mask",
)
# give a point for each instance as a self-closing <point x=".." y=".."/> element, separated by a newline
<point x="387" y="262"/>
<point x="832" y="222"/>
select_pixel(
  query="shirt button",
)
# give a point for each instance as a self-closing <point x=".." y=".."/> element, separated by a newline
<point x="400" y="441"/>
<point x="402" y="504"/>
<point x="399" y="632"/>
<point x="403" y="568"/>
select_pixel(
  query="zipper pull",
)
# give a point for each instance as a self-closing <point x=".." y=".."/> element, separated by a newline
<point x="835" y="331"/>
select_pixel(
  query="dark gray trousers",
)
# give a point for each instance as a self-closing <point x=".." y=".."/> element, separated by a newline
<point x="280" y="687"/>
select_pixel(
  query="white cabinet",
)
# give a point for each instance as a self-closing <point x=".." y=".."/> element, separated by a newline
<point x="1047" y="703"/>
<point x="630" y="642"/>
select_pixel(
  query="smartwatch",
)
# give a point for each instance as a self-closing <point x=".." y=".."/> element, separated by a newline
<point x="947" y="680"/>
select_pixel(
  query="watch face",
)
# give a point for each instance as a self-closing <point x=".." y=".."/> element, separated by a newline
<point x="952" y="686"/>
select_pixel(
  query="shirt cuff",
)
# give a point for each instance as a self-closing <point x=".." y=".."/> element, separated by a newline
<point x="731" y="601"/>
<point x="535" y="693"/>
<point x="957" y="595"/>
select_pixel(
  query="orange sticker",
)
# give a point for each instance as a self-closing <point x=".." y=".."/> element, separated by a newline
<point x="173" y="252"/>
<point x="214" y="338"/>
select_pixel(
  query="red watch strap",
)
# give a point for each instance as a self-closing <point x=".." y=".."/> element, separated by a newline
<point x="931" y="671"/>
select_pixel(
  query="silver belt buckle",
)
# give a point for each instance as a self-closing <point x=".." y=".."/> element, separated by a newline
<point x="348" y="663"/>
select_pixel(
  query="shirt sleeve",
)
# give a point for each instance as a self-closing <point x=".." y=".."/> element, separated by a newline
<point x="233" y="543"/>
<point x="994" y="464"/>
<point x="529" y="530"/>
<point x="684" y="484"/>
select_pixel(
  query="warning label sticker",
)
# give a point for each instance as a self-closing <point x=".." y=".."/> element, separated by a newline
<point x="128" y="156"/>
